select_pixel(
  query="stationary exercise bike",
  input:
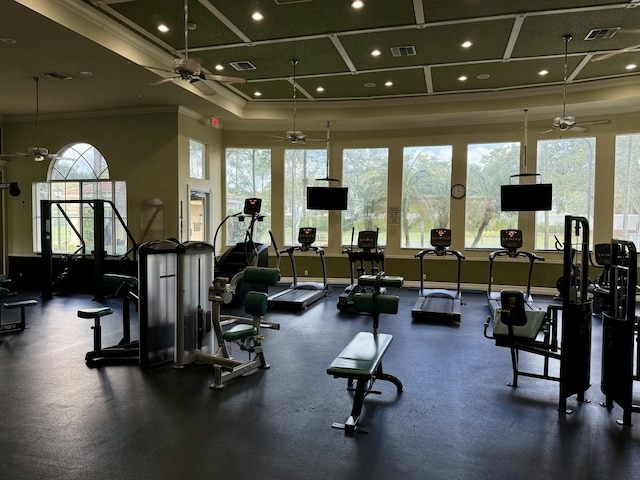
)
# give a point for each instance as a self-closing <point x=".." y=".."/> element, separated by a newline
<point x="370" y="253"/>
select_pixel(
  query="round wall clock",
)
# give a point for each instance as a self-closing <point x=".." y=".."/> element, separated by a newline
<point x="458" y="190"/>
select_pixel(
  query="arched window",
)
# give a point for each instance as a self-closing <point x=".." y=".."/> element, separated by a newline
<point x="78" y="174"/>
<point x="79" y="161"/>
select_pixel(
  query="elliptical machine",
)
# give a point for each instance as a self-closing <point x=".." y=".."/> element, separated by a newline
<point x="243" y="254"/>
<point x="370" y="253"/>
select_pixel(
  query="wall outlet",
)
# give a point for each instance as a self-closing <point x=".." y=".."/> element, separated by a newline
<point x="306" y="272"/>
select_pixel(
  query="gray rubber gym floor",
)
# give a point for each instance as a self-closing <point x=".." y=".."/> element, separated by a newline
<point x="456" y="418"/>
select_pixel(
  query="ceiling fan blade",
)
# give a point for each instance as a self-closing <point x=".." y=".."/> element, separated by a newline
<point x="614" y="53"/>
<point x="594" y="122"/>
<point x="224" y="78"/>
<point x="165" y="80"/>
<point x="577" y="128"/>
<point x="13" y="155"/>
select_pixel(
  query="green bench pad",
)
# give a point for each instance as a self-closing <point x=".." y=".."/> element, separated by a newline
<point x="21" y="304"/>
<point x="529" y="330"/>
<point x="361" y="356"/>
<point x="261" y="275"/>
<point x="386" y="281"/>
<point x="363" y="302"/>
<point x="117" y="279"/>
<point x="239" y="332"/>
<point x="94" y="312"/>
<point x="4" y="292"/>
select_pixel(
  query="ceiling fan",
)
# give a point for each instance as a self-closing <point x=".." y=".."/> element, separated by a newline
<point x="38" y="153"/>
<point x="294" y="135"/>
<point x="190" y="69"/>
<point x="568" y="122"/>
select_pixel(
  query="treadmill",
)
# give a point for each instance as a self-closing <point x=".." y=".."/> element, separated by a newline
<point x="300" y="294"/>
<point x="511" y="241"/>
<point x="438" y="304"/>
<point x="368" y="252"/>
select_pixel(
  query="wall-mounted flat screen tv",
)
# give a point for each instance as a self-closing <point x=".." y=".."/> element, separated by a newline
<point x="526" y="197"/>
<point x="327" y="198"/>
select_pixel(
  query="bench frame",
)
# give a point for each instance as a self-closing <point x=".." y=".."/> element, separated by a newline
<point x="365" y="380"/>
<point x="15" y="327"/>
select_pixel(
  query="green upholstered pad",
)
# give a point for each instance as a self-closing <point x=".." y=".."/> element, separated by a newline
<point x="94" y="312"/>
<point x="21" y="304"/>
<point x="386" y="281"/>
<point x="5" y="282"/>
<point x="4" y="292"/>
<point x="255" y="303"/>
<point x="261" y="275"/>
<point x="361" y="356"/>
<point x="530" y="330"/>
<point x="363" y="302"/>
<point x="117" y="279"/>
<point x="239" y="332"/>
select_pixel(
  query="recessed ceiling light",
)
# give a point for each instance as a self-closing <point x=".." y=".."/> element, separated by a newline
<point x="631" y="66"/>
<point x="257" y="16"/>
<point x="320" y="89"/>
<point x="257" y="94"/>
<point x="388" y="84"/>
<point x="483" y="76"/>
<point x="462" y="78"/>
<point x="7" y="40"/>
<point x="369" y="85"/>
<point x="357" y="4"/>
<point x="466" y="44"/>
<point x="543" y="72"/>
<point x="86" y="73"/>
<point x="219" y="67"/>
<point x="163" y="28"/>
<point x="375" y="53"/>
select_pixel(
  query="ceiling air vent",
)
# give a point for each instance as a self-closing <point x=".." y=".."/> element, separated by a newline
<point x="243" y="66"/>
<point x="597" y="33"/>
<point x="403" y="51"/>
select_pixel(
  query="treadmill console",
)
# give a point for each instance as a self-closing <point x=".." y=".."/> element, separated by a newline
<point x="441" y="239"/>
<point x="603" y="254"/>
<point x="306" y="236"/>
<point x="367" y="240"/>
<point x="511" y="240"/>
<point x="252" y="206"/>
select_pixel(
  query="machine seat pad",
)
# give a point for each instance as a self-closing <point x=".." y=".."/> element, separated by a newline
<point x="4" y="292"/>
<point x="391" y="281"/>
<point x="117" y="279"/>
<point x="94" y="312"/>
<point x="360" y="358"/>
<point x="21" y="304"/>
<point x="364" y="302"/>
<point x="239" y="332"/>
<point x="529" y="331"/>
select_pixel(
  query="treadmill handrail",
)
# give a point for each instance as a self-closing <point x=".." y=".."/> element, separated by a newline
<point x="499" y="253"/>
<point x="429" y="251"/>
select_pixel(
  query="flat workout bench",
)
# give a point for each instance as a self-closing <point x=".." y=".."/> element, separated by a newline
<point x="22" y="305"/>
<point x="361" y="359"/>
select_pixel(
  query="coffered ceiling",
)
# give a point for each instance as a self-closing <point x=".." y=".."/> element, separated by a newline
<point x="105" y="55"/>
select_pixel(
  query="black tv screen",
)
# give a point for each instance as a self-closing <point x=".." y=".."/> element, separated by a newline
<point x="327" y="198"/>
<point x="525" y="198"/>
